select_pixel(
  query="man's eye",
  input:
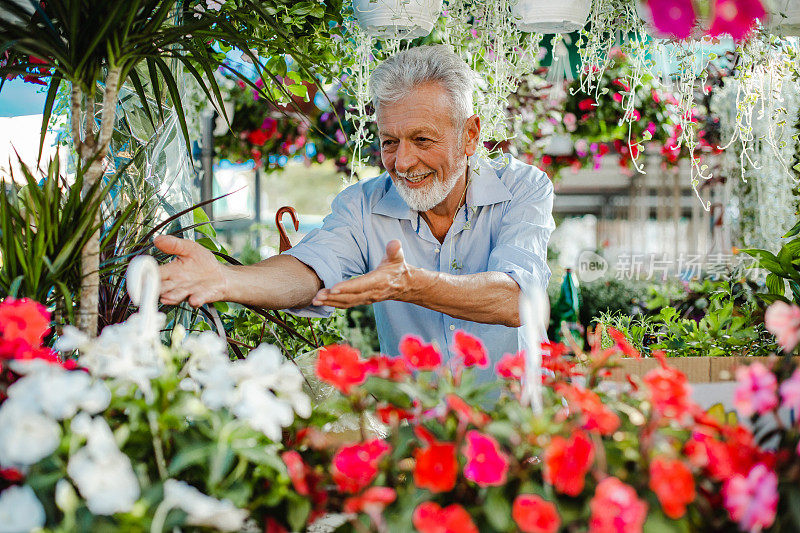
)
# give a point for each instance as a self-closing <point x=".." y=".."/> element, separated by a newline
<point x="386" y="143"/>
<point x="423" y="139"/>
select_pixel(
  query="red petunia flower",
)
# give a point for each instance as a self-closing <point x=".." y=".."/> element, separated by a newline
<point x="533" y="514"/>
<point x="371" y="502"/>
<point x="418" y="354"/>
<point x="617" y="336"/>
<point x="566" y="462"/>
<point x="470" y="349"/>
<point x="464" y="412"/>
<point x="11" y="474"/>
<point x="297" y="471"/>
<point x="595" y="415"/>
<point x="24" y="319"/>
<point x="615" y="507"/>
<point x="430" y="518"/>
<point x="586" y="104"/>
<point x="670" y="393"/>
<point x="673" y="483"/>
<point x="383" y="366"/>
<point x="486" y="464"/>
<point x="354" y="467"/>
<point x="735" y="17"/>
<point x="511" y="366"/>
<point x="341" y="366"/>
<point x="436" y="467"/>
<point x="674" y="18"/>
<point x="390" y="414"/>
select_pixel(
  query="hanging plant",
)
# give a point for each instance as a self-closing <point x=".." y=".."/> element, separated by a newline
<point x="546" y="16"/>
<point x="397" y="19"/>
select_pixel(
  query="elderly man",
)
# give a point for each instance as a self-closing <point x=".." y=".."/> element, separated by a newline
<point x="441" y="241"/>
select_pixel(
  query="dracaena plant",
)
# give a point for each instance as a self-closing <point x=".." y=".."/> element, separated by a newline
<point x="98" y="46"/>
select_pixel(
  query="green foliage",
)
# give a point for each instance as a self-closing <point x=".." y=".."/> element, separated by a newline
<point x="783" y="269"/>
<point x="43" y="227"/>
<point x="610" y="296"/>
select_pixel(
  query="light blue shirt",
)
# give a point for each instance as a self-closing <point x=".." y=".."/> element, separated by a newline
<point x="505" y="228"/>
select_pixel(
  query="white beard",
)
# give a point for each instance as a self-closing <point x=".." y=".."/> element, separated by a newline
<point x="426" y="198"/>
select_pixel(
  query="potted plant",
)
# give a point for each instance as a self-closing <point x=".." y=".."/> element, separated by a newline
<point x="397" y="19"/>
<point x="544" y="16"/>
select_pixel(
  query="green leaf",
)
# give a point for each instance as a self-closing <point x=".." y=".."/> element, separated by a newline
<point x="201" y="217"/>
<point x="298" y="90"/>
<point x="796" y="228"/>
<point x="766" y="260"/>
<point x="191" y="455"/>
<point x="299" y="509"/>
<point x="497" y="509"/>
<point x="775" y="284"/>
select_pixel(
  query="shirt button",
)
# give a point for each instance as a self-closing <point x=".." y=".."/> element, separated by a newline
<point x="452" y="327"/>
<point x="436" y="249"/>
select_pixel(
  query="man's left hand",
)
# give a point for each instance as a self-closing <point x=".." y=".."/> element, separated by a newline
<point x="391" y="280"/>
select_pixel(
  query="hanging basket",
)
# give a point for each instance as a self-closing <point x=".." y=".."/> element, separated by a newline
<point x="397" y="19"/>
<point x="551" y="16"/>
<point x="784" y="17"/>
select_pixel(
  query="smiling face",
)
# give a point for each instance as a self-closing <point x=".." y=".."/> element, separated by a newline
<point x="424" y="152"/>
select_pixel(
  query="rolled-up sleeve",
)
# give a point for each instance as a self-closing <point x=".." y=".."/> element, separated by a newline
<point x="337" y="250"/>
<point x="521" y="247"/>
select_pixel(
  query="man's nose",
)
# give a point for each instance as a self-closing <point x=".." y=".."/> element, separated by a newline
<point x="405" y="157"/>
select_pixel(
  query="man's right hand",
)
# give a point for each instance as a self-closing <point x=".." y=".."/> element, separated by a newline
<point x="194" y="273"/>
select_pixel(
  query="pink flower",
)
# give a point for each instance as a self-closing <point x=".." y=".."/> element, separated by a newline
<point x="783" y="321"/>
<point x="756" y="391"/>
<point x="486" y="464"/>
<point x="752" y="500"/>
<point x="354" y="467"/>
<point x="673" y="17"/>
<point x="790" y="391"/>
<point x="616" y="508"/>
<point x="735" y="17"/>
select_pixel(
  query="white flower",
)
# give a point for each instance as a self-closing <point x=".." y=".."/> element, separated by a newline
<point x="103" y="474"/>
<point x="210" y="367"/>
<point x="26" y="435"/>
<point x="59" y="393"/>
<point x="20" y="510"/>
<point x="203" y="510"/>
<point x="215" y="5"/>
<point x="260" y="408"/>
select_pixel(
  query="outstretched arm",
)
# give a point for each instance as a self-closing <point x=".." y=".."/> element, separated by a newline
<point x="488" y="297"/>
<point x="195" y="275"/>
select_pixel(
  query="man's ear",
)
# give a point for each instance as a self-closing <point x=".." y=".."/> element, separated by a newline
<point x="472" y="134"/>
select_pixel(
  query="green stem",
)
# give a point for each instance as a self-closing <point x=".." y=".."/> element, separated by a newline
<point x="157" y="445"/>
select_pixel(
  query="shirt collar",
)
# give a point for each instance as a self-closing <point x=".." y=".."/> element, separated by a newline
<point x="484" y="189"/>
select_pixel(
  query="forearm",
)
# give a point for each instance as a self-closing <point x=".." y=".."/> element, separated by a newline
<point x="279" y="282"/>
<point x="487" y="297"/>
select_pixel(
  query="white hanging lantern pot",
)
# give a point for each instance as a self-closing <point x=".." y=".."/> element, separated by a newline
<point x="551" y="16"/>
<point x="784" y="17"/>
<point x="397" y="19"/>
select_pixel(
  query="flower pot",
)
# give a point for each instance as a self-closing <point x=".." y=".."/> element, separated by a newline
<point x="784" y="17"/>
<point x="547" y="16"/>
<point x="400" y="19"/>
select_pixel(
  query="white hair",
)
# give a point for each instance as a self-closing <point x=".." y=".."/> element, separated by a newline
<point x="400" y="74"/>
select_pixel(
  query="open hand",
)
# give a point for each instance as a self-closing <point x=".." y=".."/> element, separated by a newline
<point x="391" y="280"/>
<point x="194" y="273"/>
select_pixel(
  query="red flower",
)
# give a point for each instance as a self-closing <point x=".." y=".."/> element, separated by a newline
<point x="383" y="366"/>
<point x="24" y="319"/>
<point x="586" y="104"/>
<point x="566" y="462"/>
<point x="354" y="467"/>
<point x="622" y="343"/>
<point x="372" y="501"/>
<point x="297" y="471"/>
<point x="673" y="17"/>
<point x="419" y="355"/>
<point x="470" y="349"/>
<point x="615" y="508"/>
<point x="430" y="518"/>
<point x="673" y="484"/>
<point x="669" y="392"/>
<point x="273" y="526"/>
<point x="258" y="137"/>
<point x="511" y="366"/>
<point x="486" y="464"/>
<point x="390" y="414"/>
<point x="595" y="415"/>
<point x="464" y="412"/>
<point x="341" y="366"/>
<point x="535" y="515"/>
<point x="11" y="474"/>
<point x="735" y="17"/>
<point x="436" y="467"/>
<point x="20" y="349"/>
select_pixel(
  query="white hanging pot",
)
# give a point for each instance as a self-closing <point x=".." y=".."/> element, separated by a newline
<point x="551" y="16"/>
<point x="397" y="19"/>
<point x="560" y="145"/>
<point x="784" y="17"/>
